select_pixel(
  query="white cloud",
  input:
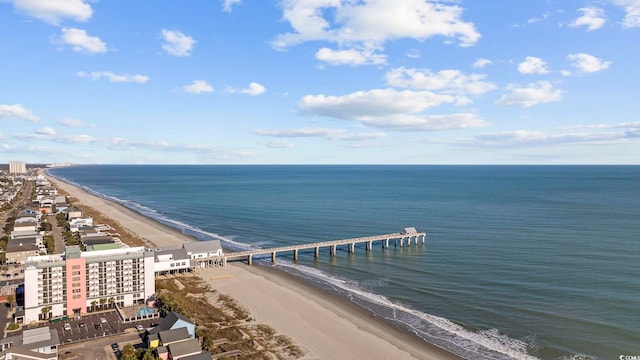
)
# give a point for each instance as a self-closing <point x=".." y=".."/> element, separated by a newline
<point x="634" y="125"/>
<point x="592" y="18"/>
<point x="82" y="42"/>
<point x="448" y="81"/>
<point x="228" y="4"/>
<point x="350" y="57"/>
<point x="116" y="78"/>
<point x="534" y="20"/>
<point x="377" y="102"/>
<point x="215" y="152"/>
<point x="177" y="43"/>
<point x="254" y="89"/>
<point x="372" y="23"/>
<point x="49" y="134"/>
<point x="327" y="133"/>
<point x="586" y="63"/>
<point x="17" y="111"/>
<point x="77" y="139"/>
<point x="72" y="123"/>
<point x="533" y="65"/>
<point x="533" y="94"/>
<point x="413" y="122"/>
<point x="388" y="108"/>
<point x="46" y="131"/>
<point x="413" y="54"/>
<point x="632" y="12"/>
<point x="481" y="63"/>
<point x="280" y="144"/>
<point x="197" y="87"/>
<point x="557" y="136"/>
<point x="54" y="11"/>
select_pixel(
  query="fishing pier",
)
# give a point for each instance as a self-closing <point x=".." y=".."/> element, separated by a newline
<point x="406" y="237"/>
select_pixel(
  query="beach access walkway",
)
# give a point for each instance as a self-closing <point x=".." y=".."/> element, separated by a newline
<point x="408" y="234"/>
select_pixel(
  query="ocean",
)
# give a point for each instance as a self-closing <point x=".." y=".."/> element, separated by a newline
<point x="520" y="261"/>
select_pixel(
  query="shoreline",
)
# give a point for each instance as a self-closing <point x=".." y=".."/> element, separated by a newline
<point x="324" y="325"/>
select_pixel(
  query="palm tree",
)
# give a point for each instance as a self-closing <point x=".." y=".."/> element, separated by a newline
<point x="93" y="305"/>
<point x="102" y="302"/>
<point x="45" y="312"/>
<point x="111" y="301"/>
<point x="10" y="300"/>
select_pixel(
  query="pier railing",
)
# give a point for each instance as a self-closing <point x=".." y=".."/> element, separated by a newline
<point x="406" y="237"/>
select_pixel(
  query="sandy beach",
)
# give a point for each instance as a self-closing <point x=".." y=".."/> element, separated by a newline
<point x="324" y="325"/>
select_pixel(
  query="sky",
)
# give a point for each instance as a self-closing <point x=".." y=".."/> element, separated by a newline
<point x="320" y="81"/>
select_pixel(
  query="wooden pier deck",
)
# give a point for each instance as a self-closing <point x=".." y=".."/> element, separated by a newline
<point x="408" y="235"/>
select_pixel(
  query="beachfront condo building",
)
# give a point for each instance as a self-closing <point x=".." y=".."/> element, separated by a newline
<point x="17" y="167"/>
<point x="77" y="282"/>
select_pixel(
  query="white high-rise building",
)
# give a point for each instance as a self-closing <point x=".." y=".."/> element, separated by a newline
<point x="17" y="167"/>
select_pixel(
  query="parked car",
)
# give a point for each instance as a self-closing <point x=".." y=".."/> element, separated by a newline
<point x="67" y="326"/>
<point x="81" y="325"/>
<point x="139" y="327"/>
<point x="114" y="346"/>
<point x="103" y="320"/>
<point x="96" y="326"/>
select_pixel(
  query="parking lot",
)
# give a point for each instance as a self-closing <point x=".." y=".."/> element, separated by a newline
<point x="93" y="326"/>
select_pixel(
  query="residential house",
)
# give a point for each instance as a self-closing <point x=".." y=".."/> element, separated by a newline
<point x="183" y="349"/>
<point x="76" y="223"/>
<point x="38" y="343"/>
<point x="173" y="336"/>
<point x="174" y="320"/>
<point x="73" y="212"/>
<point x="26" y="224"/>
<point x="204" y="253"/>
<point x="20" y="249"/>
<point x="170" y="261"/>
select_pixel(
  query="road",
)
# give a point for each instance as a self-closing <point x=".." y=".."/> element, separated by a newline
<point x="19" y="204"/>
<point x="56" y="231"/>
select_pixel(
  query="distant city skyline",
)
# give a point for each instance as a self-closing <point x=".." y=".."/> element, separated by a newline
<point x="320" y="82"/>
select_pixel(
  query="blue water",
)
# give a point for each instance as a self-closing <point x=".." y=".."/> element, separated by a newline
<point x="145" y="311"/>
<point x="520" y="261"/>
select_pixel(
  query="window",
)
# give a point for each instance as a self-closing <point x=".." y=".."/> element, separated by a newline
<point x="75" y="273"/>
<point x="76" y="278"/>
<point x="75" y="267"/>
<point x="76" y="291"/>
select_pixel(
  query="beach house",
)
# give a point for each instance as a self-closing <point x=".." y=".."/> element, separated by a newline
<point x="38" y="344"/>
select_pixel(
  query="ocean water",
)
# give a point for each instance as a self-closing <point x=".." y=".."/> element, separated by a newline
<point x="520" y="261"/>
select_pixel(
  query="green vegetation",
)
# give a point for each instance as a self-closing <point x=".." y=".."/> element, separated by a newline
<point x="49" y="243"/>
<point x="128" y="352"/>
<point x="222" y="323"/>
<point x="13" y="326"/>
<point x="45" y="226"/>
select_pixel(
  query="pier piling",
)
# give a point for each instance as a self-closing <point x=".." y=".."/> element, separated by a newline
<point x="409" y="234"/>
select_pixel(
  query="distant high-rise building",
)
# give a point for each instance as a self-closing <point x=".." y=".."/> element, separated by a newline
<point x="17" y="167"/>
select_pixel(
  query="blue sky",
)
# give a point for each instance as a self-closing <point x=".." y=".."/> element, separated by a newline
<point x="320" y="81"/>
